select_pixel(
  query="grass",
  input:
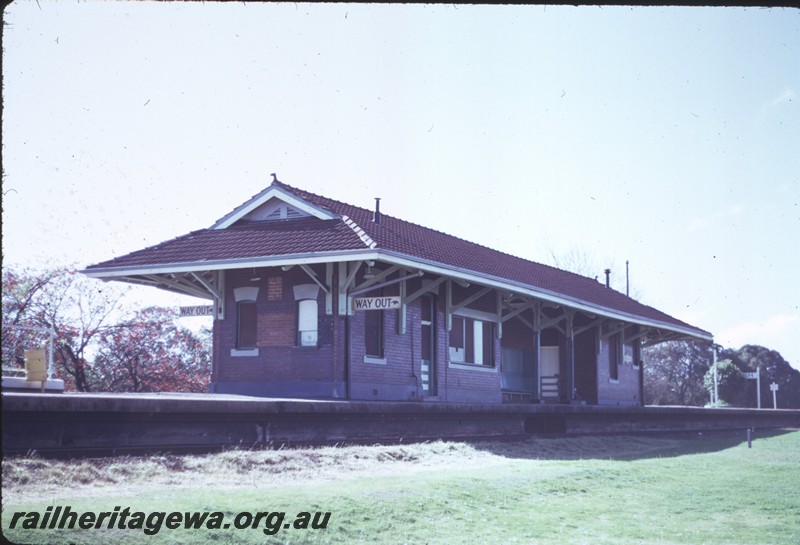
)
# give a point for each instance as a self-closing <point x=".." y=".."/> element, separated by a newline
<point x="593" y="490"/>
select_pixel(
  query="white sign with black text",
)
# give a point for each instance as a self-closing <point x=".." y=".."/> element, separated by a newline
<point x="200" y="310"/>
<point x="376" y="303"/>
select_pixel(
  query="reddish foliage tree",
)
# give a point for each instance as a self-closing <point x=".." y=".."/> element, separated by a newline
<point x="95" y="347"/>
<point x="150" y="353"/>
<point x="76" y="308"/>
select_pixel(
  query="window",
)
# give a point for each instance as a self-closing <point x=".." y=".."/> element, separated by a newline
<point x="614" y="353"/>
<point x="472" y="341"/>
<point x="307" y="322"/>
<point x="307" y="309"/>
<point x="373" y="333"/>
<point x="246" y="321"/>
<point x="246" y="324"/>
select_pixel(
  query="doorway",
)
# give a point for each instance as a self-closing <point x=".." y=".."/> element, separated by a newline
<point x="550" y="359"/>
<point x="428" y="346"/>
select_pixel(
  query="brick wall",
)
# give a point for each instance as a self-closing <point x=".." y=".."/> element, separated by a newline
<point x="279" y="358"/>
<point x="624" y="390"/>
<point x="399" y="378"/>
<point x="283" y="367"/>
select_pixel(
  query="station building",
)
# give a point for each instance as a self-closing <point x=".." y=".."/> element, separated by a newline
<point x="317" y="299"/>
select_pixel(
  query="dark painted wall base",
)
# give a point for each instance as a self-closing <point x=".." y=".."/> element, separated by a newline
<point x="295" y="389"/>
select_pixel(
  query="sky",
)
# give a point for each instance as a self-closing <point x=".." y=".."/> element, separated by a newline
<point x="668" y="137"/>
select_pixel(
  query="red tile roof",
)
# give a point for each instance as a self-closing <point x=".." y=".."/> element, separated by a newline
<point x="249" y="240"/>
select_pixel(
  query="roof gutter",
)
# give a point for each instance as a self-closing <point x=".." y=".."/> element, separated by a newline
<point x="539" y="293"/>
<point x="396" y="258"/>
<point x="110" y="273"/>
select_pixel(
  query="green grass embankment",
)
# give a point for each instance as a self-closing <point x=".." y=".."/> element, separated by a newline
<point x="593" y="490"/>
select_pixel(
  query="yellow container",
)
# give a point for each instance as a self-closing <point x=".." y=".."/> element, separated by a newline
<point x="35" y="365"/>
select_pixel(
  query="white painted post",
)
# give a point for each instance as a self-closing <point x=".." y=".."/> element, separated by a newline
<point x="758" y="385"/>
<point x="774" y="388"/>
<point x="716" y="390"/>
<point x="51" y="370"/>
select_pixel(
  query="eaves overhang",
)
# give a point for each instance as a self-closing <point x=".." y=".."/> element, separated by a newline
<point x="396" y="258"/>
<point x="537" y="293"/>
<point x="110" y="273"/>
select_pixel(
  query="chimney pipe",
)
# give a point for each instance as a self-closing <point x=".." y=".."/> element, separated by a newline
<point x="627" y="280"/>
<point x="376" y="217"/>
<point x="608" y="278"/>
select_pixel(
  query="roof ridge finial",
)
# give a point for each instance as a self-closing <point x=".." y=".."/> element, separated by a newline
<point x="274" y="178"/>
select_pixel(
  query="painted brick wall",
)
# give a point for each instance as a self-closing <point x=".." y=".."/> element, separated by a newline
<point x="283" y="368"/>
<point x="276" y="328"/>
<point x="624" y="391"/>
<point x="396" y="379"/>
<point x="399" y="378"/>
<point x="279" y="358"/>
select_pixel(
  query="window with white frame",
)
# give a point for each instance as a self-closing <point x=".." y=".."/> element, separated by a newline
<point x="307" y="322"/>
<point x="472" y="341"/>
<point x="246" y="319"/>
<point x="307" y="314"/>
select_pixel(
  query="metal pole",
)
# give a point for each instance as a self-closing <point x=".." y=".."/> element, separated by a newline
<point x="627" y="280"/>
<point x="774" y="399"/>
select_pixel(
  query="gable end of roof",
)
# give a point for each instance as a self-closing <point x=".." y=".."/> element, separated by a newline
<point x="274" y="191"/>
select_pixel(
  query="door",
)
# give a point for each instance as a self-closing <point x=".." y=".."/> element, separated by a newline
<point x="549" y="365"/>
<point x="428" y="345"/>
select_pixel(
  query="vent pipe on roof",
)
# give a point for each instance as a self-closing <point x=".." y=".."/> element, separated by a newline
<point x="627" y="280"/>
<point x="608" y="278"/>
<point x="376" y="217"/>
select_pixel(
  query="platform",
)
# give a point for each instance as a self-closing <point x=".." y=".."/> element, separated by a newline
<point x="106" y="423"/>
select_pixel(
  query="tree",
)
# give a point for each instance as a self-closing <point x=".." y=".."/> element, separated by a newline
<point x="673" y="373"/>
<point x="773" y="368"/>
<point x="99" y="344"/>
<point x="151" y="353"/>
<point x="730" y="383"/>
<point x="580" y="261"/>
<point x="76" y="308"/>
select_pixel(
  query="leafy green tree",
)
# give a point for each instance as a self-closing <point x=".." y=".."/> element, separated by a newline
<point x="773" y="368"/>
<point x="731" y="384"/>
<point x="673" y="373"/>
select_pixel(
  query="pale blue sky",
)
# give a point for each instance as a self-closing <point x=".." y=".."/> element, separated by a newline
<point x="666" y="136"/>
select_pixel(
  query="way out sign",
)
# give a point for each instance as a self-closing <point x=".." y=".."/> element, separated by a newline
<point x="200" y="310"/>
<point x="376" y="303"/>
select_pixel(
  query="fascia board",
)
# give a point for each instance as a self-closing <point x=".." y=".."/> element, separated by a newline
<point x="264" y="196"/>
<point x="228" y="264"/>
<point x="545" y="295"/>
<point x="395" y="258"/>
